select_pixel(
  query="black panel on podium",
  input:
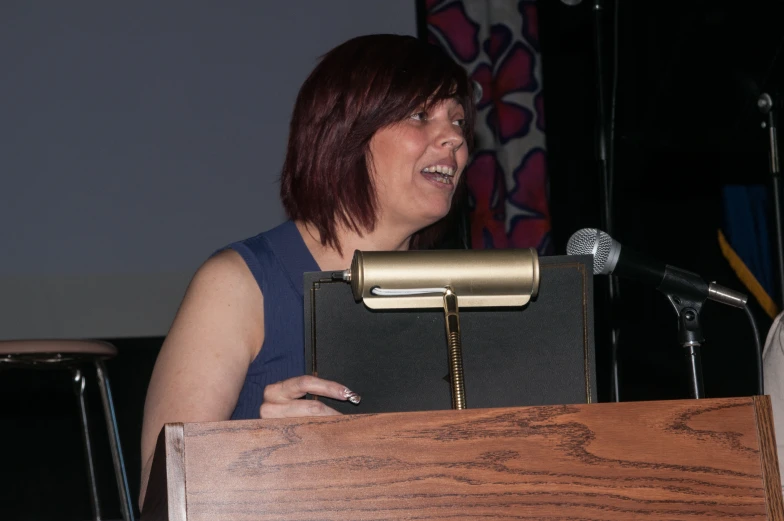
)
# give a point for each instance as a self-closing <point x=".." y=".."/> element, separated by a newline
<point x="540" y="354"/>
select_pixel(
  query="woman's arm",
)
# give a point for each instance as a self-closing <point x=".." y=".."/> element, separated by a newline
<point x="202" y="366"/>
<point x="200" y="370"/>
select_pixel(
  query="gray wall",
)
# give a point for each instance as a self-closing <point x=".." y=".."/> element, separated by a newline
<point x="138" y="137"/>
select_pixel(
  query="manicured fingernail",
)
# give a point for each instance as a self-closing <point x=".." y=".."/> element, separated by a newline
<point x="352" y="396"/>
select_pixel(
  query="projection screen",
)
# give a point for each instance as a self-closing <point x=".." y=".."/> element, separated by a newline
<point x="136" y="138"/>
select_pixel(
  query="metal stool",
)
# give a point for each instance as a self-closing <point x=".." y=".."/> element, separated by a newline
<point x="74" y="355"/>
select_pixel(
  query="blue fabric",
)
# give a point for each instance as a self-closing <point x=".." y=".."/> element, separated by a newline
<point x="746" y="229"/>
<point x="278" y="259"/>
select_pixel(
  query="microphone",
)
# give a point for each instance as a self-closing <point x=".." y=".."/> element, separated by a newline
<point x="609" y="257"/>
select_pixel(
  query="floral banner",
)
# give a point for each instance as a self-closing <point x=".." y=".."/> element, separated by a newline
<point x="497" y="41"/>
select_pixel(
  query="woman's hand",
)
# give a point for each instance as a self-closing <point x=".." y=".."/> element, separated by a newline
<point x="282" y="399"/>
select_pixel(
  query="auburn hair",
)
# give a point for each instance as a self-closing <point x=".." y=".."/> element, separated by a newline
<point x="357" y="88"/>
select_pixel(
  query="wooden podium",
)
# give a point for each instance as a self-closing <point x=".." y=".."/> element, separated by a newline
<point x="672" y="460"/>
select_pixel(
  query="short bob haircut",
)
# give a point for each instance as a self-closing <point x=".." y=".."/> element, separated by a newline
<point x="359" y="87"/>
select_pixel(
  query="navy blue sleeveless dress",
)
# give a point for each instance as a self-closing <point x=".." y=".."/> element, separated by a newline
<point x="277" y="258"/>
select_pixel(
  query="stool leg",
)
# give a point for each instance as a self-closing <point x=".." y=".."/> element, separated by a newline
<point x="79" y="383"/>
<point x="114" y="440"/>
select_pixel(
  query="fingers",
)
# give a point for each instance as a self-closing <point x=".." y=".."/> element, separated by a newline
<point x="299" y="386"/>
<point x="296" y="409"/>
<point x="282" y="399"/>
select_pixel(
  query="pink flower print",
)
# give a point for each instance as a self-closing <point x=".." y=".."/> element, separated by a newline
<point x="450" y="21"/>
<point x="530" y="27"/>
<point x="531" y="227"/>
<point x="487" y="187"/>
<point x="539" y="108"/>
<point x="514" y="72"/>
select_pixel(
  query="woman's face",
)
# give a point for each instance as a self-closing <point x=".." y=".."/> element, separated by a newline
<point x="416" y="165"/>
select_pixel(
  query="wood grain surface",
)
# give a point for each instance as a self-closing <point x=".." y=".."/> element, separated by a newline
<point x="165" y="497"/>
<point x="770" y="465"/>
<point x="673" y="460"/>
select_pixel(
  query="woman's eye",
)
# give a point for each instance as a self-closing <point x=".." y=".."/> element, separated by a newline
<point x="460" y="123"/>
<point x="419" y="116"/>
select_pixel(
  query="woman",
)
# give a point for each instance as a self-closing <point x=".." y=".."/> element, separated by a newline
<point x="378" y="141"/>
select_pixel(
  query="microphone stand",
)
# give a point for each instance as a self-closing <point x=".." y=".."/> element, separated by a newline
<point x="688" y="305"/>
<point x="605" y="152"/>
<point x="766" y="106"/>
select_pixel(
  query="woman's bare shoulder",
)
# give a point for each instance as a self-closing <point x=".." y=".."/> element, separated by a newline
<point x="225" y="267"/>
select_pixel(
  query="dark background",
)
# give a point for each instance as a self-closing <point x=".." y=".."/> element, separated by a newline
<point x="688" y="77"/>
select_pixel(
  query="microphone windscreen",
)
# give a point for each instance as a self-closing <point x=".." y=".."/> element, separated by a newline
<point x="590" y="241"/>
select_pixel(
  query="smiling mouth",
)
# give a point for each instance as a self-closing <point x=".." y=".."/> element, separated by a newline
<point x="440" y="174"/>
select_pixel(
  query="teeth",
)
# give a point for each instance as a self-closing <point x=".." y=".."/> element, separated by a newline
<point x="440" y="169"/>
